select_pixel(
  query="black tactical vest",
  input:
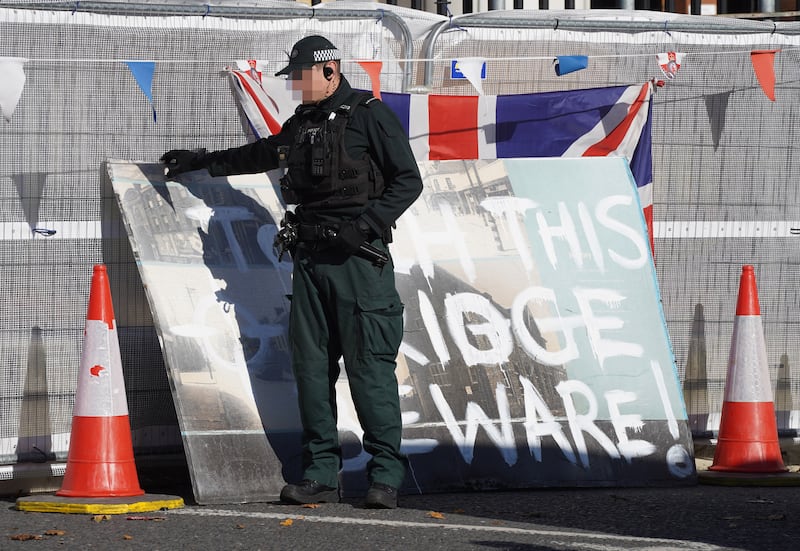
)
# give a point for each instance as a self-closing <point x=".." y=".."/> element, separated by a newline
<point x="320" y="173"/>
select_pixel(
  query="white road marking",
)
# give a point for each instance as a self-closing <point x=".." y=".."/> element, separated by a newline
<point x="650" y="543"/>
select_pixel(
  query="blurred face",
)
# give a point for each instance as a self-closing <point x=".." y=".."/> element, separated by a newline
<point x="310" y="82"/>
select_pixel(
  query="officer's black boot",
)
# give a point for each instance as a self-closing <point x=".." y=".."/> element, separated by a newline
<point x="309" y="491"/>
<point x="381" y="496"/>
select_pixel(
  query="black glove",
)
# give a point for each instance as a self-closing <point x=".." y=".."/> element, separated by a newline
<point x="179" y="161"/>
<point x="352" y="235"/>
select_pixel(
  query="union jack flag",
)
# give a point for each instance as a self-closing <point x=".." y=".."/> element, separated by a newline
<point x="613" y="121"/>
<point x="265" y="111"/>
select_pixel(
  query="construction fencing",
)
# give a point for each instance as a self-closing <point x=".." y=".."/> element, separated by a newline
<point x="726" y="171"/>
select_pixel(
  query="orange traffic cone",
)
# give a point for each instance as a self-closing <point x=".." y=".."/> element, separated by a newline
<point x="100" y="461"/>
<point x="748" y="433"/>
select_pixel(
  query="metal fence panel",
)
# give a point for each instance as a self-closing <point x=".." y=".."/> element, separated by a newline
<point x="725" y="162"/>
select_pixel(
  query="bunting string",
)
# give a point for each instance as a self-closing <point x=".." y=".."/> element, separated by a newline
<point x="549" y="58"/>
<point x="12" y="77"/>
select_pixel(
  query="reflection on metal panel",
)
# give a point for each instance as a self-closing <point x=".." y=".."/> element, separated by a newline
<point x="213" y="314"/>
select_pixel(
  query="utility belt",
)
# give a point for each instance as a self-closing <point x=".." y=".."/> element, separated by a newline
<point x="321" y="233"/>
<point x="316" y="233"/>
<point x="295" y="234"/>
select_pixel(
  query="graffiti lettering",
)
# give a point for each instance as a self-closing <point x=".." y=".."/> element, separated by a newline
<point x="451" y="236"/>
<point x="498" y="330"/>
<point x="539" y="422"/>
<point x="513" y="212"/>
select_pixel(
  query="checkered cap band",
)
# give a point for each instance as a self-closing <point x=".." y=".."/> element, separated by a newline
<point x="326" y="55"/>
<point x="310" y="51"/>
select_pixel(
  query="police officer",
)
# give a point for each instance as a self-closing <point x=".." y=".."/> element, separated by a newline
<point x="351" y="173"/>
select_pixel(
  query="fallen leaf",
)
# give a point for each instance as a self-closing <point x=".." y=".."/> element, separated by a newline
<point x="434" y="514"/>
<point x="25" y="537"/>
<point x="287" y="522"/>
<point x="127" y="537"/>
<point x="240" y="526"/>
<point x="100" y="518"/>
<point x="311" y="505"/>
<point x="54" y="533"/>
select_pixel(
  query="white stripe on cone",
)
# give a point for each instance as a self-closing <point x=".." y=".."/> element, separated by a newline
<point x="101" y="386"/>
<point x="748" y="373"/>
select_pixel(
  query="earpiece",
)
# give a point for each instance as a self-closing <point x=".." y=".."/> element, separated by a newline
<point x="327" y="72"/>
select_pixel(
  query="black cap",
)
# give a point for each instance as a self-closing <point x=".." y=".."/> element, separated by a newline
<point x="309" y="51"/>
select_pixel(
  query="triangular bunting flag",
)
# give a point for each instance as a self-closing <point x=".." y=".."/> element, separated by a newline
<point x="764" y="66"/>
<point x="473" y="69"/>
<point x="717" y="107"/>
<point x="12" y="81"/>
<point x="143" y="73"/>
<point x="565" y="64"/>
<point x="670" y="62"/>
<point x="373" y="69"/>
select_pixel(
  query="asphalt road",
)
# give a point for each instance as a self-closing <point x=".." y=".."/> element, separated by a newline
<point x="695" y="517"/>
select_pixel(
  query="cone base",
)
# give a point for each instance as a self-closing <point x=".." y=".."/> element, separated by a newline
<point x="748" y="439"/>
<point x="759" y="468"/>
<point x="124" y="492"/>
<point x="100" y="461"/>
<point x="760" y="480"/>
<point x="98" y="506"/>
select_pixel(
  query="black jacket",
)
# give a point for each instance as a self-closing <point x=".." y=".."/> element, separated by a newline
<point x="373" y="128"/>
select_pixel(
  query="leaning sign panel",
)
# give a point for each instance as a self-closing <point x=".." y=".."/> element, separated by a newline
<point x="212" y="295"/>
<point x="535" y="351"/>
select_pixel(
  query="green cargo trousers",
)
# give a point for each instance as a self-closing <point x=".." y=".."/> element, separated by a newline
<point x="346" y="306"/>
